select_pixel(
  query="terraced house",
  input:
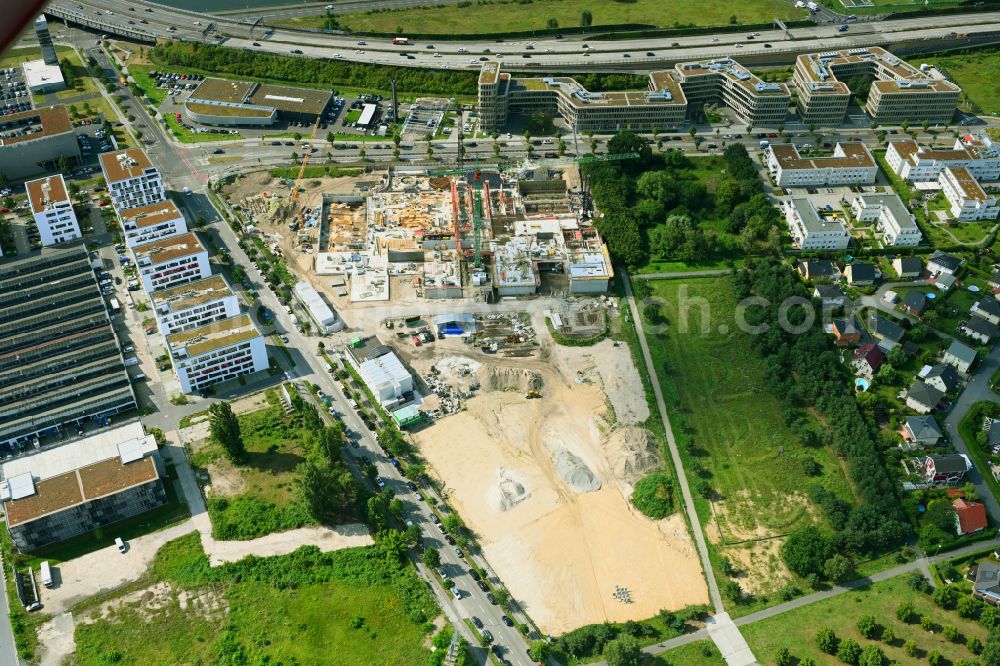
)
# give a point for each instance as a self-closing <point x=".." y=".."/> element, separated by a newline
<point x="919" y="164"/>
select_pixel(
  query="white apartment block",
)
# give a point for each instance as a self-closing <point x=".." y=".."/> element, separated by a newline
<point x="194" y="304"/>
<point x="217" y="352"/>
<point x="851" y="164"/>
<point x="151" y="222"/>
<point x="810" y="231"/>
<point x="52" y="210"/>
<point x="892" y="219"/>
<point x="969" y="201"/>
<point x="132" y="179"/>
<point x="171" y="261"/>
<point x="919" y="164"/>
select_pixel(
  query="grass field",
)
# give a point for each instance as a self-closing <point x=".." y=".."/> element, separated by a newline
<point x="187" y="136"/>
<point x="796" y="629"/>
<point x="976" y="73"/>
<point x="699" y="653"/>
<point x="498" y="17"/>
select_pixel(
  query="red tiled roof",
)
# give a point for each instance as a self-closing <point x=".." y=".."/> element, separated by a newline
<point x="971" y="516"/>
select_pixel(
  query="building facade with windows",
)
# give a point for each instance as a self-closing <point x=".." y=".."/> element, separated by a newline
<point x="53" y="210"/>
<point x="969" y="201"/>
<point x="194" y="304"/>
<point x="851" y="164"/>
<point x="217" y="352"/>
<point x="132" y="179"/>
<point x="919" y="164"/>
<point x="810" y="231"/>
<point x="171" y="261"/>
<point x="892" y="219"/>
<point x="35" y="140"/>
<point x="724" y="81"/>
<point x="151" y="222"/>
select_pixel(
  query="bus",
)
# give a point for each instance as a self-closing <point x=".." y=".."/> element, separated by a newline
<point x="401" y="40"/>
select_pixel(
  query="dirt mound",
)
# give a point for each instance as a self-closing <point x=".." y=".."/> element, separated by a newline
<point x="508" y="492"/>
<point x="631" y="452"/>
<point x="495" y="378"/>
<point x="575" y="472"/>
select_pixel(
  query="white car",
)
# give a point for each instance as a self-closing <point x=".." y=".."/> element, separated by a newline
<point x="358" y="51"/>
<point x="379" y="482"/>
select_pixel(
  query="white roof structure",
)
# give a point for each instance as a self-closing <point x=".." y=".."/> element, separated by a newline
<point x="38" y="74"/>
<point x="367" y="115"/>
<point x="387" y="378"/>
<point x="320" y="312"/>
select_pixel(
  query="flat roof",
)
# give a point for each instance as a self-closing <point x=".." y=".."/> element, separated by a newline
<point x="39" y="73"/>
<point x="151" y="214"/>
<point x="204" y="339"/>
<point x="167" y="249"/>
<point x="489" y="72"/>
<point x="811" y="219"/>
<point x="190" y="294"/>
<point x="966" y="182"/>
<point x="572" y="91"/>
<point x="226" y="110"/>
<point x="124" y="164"/>
<point x="61" y="459"/>
<point x="850" y="155"/>
<point x="52" y="120"/>
<point x="282" y="98"/>
<point x="44" y="193"/>
<point x="734" y="72"/>
<point x="894" y="205"/>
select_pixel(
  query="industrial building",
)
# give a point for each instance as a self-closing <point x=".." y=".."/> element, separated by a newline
<point x="812" y="231"/>
<point x="322" y="315"/>
<point x="969" y="201"/>
<point x="892" y="218"/>
<point x="171" y="261"/>
<point x="62" y="492"/>
<point x="31" y="142"/>
<point x="53" y="210"/>
<point x="382" y="371"/>
<point x="851" y="164"/>
<point x="919" y="164"/>
<point x="60" y="364"/>
<point x="217" y="352"/>
<point x="194" y="304"/>
<point x="151" y="222"/>
<point x="44" y="76"/>
<point x="244" y="103"/>
<point x="132" y="179"/>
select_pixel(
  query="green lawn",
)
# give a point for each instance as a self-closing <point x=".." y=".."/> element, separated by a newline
<point x="699" y="653"/>
<point x="498" y="17"/>
<point x="140" y="74"/>
<point x="83" y="83"/>
<point x="976" y="73"/>
<point x="186" y="136"/>
<point x="306" y="614"/>
<point x="796" y="630"/>
<point x="352" y="116"/>
<point x="683" y="267"/>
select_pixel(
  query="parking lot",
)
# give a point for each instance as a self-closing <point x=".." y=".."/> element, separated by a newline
<point x="425" y="116"/>
<point x="14" y="95"/>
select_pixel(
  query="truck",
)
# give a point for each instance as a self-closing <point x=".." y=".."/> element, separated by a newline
<point x="812" y="6"/>
<point x="46" y="574"/>
<point x="401" y="41"/>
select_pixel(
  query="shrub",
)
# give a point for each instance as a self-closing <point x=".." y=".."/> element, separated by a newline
<point x="867" y="626"/>
<point x="934" y="658"/>
<point x="910" y="648"/>
<point x="654" y="495"/>
<point x="969" y="607"/>
<point x="849" y="651"/>
<point x="872" y="655"/>
<point x="946" y="596"/>
<point x="888" y="636"/>
<point x="950" y="632"/>
<point x="783" y="657"/>
<point x="826" y="640"/>
<point x="990" y="617"/>
<point x="905" y="612"/>
<point x="927" y="624"/>
<point x="974" y="645"/>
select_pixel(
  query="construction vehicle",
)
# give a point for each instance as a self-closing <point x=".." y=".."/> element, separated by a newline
<point x="530" y="395"/>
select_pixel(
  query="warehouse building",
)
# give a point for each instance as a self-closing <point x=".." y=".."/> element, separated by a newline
<point x="151" y="222"/>
<point x="71" y="489"/>
<point x="919" y="164"/>
<point x="60" y="364"/>
<point x="171" y="261"/>
<point x="31" y="142"/>
<point x="969" y="201"/>
<point x="194" y="304"/>
<point x="244" y="103"/>
<point x="217" y="352"/>
<point x="53" y="210"/>
<point x="132" y="179"/>
<point x="892" y="219"/>
<point x="810" y="230"/>
<point x="322" y="315"/>
<point x="382" y="371"/>
<point x="851" y="164"/>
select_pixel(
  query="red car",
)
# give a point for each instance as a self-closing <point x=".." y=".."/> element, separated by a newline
<point x="416" y="340"/>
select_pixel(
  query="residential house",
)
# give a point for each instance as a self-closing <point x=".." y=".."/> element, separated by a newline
<point x="941" y="262"/>
<point x="945" y="470"/>
<point x="943" y="377"/>
<point x="867" y="360"/>
<point x="988" y="309"/>
<point x="914" y="303"/>
<point x="992" y="435"/>
<point x="908" y="268"/>
<point x="845" y="332"/>
<point x="960" y="355"/>
<point x="830" y="295"/>
<point x="986" y="586"/>
<point x="944" y="281"/>
<point x="818" y="269"/>
<point x="922" y="430"/>
<point x="923" y="398"/>
<point x="980" y="330"/>
<point x="859" y="274"/>
<point x="887" y="332"/>
<point x="970" y="517"/>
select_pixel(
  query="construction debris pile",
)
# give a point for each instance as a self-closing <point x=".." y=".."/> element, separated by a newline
<point x="508" y="334"/>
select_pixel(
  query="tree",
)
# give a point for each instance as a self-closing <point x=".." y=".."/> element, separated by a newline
<point x="991" y="651"/>
<point x="872" y="655"/>
<point x="392" y="544"/>
<point x="623" y="651"/>
<point x="783" y="657"/>
<point x="934" y="658"/>
<point x="910" y="648"/>
<point x="947" y="596"/>
<point x="297" y="136"/>
<point x="849" y="651"/>
<point x="990" y="617"/>
<point x="328" y="489"/>
<point x="974" y="645"/>
<point x="905" y="125"/>
<point x="62" y="164"/>
<point x="806" y="550"/>
<point x="692" y="131"/>
<point x="653" y="494"/>
<point x="888" y="636"/>
<point x="905" y="612"/>
<point x="969" y="608"/>
<point x="330" y="136"/>
<point x="431" y="558"/>
<point x="552" y="24"/>
<point x="586" y="18"/>
<point x="539" y="651"/>
<point x="826" y="640"/>
<point x="950" y="632"/>
<point x="362" y="153"/>
<point x="225" y="429"/>
<point x="867" y="625"/>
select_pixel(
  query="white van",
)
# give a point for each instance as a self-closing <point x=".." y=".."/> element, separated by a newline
<point x="46" y="574"/>
<point x="120" y="544"/>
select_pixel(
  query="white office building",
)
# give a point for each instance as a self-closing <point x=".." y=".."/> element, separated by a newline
<point x="969" y="201"/>
<point x="389" y="381"/>
<point x="52" y="209"/>
<point x="171" y="261"/>
<point x="217" y="352"/>
<point x="132" y="179"/>
<point x="810" y="231"/>
<point x="851" y="164"/>
<point x="151" y="222"/>
<point x="892" y="219"/>
<point x="919" y="164"/>
<point x="194" y="304"/>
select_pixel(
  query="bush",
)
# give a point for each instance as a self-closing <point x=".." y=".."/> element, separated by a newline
<point x="990" y="617"/>
<point x="969" y="608"/>
<point x="888" y="636"/>
<point x="872" y="655"/>
<point x="950" y="632"/>
<point x="905" y="612"/>
<point x="826" y="640"/>
<point x="783" y="657"/>
<point x="947" y="596"/>
<point x="248" y="517"/>
<point x="974" y="645"/>
<point x="867" y="626"/>
<point x="654" y="495"/>
<point x="806" y="550"/>
<point x="849" y="651"/>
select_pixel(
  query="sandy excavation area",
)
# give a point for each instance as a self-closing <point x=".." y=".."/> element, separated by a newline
<point x="545" y="484"/>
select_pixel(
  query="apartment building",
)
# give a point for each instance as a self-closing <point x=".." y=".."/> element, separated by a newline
<point x="68" y="490"/>
<point x="217" y="352"/>
<point x="810" y="231"/>
<point x="919" y="164"/>
<point x="194" y="304"/>
<point x="151" y="222"/>
<point x="851" y="164"/>
<point x="52" y="209"/>
<point x="171" y="261"/>
<point x="892" y="218"/>
<point x="724" y="81"/>
<point x="31" y="142"/>
<point x="969" y="201"/>
<point x="132" y="179"/>
<point x="60" y="363"/>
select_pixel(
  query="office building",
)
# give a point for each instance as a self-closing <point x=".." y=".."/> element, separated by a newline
<point x="60" y="364"/>
<point x="171" y="261"/>
<point x="245" y="103"/>
<point x="810" y="231"/>
<point x="52" y="209"/>
<point x="151" y="222"/>
<point x="851" y="164"/>
<point x="919" y="164"/>
<point x="590" y="270"/>
<point x="725" y="82"/>
<point x="194" y="304"/>
<point x="969" y="201"/>
<point x="31" y="142"/>
<point x="62" y="492"/>
<point x="217" y="352"/>
<point x="43" y="76"/>
<point x="892" y="218"/>
<point x="45" y="41"/>
<point x="132" y="179"/>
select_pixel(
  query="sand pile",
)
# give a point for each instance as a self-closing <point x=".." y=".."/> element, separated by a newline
<point x="507" y="493"/>
<point x="631" y="452"/>
<point x="495" y="378"/>
<point x="574" y="472"/>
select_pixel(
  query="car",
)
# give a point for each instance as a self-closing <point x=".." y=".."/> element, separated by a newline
<point x="477" y="622"/>
<point x="450" y="539"/>
<point x="650" y="54"/>
<point x="491" y="598"/>
<point x="380" y="482"/>
<point x="256" y="43"/>
<point x="218" y="151"/>
<point x="506" y="620"/>
<point x="475" y="575"/>
<point x="767" y="46"/>
<point x="442" y="573"/>
<point x="739" y="46"/>
<point x="411" y="485"/>
<point x="150" y="330"/>
<point x="297" y="51"/>
<point x="459" y="553"/>
<point x="122" y="546"/>
<point x="395" y="463"/>
<point x="626" y="55"/>
<point x="429" y="46"/>
<point x="487" y="636"/>
<point x="435" y="519"/>
<point x="496" y="650"/>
